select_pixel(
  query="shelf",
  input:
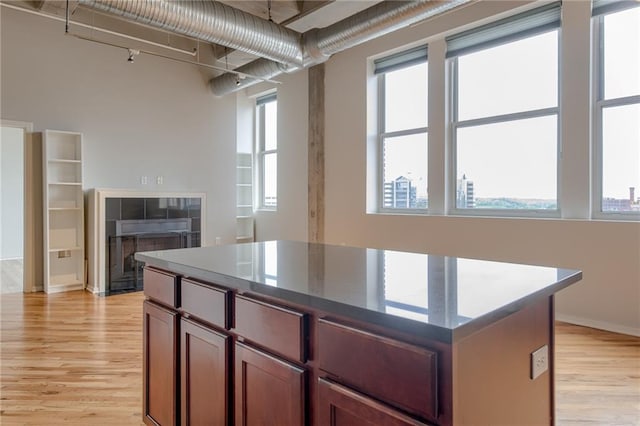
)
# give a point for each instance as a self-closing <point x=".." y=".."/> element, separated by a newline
<point x="57" y="249"/>
<point x="66" y="183"/>
<point x="64" y="161"/>
<point x="63" y="218"/>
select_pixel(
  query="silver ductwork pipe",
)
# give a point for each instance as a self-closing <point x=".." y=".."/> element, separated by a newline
<point x="376" y="21"/>
<point x="319" y="44"/>
<point x="280" y="49"/>
<point x="210" y="21"/>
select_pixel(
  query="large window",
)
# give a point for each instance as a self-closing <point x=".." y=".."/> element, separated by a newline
<point x="402" y="138"/>
<point x="505" y="115"/>
<point x="617" y="109"/>
<point x="267" y="151"/>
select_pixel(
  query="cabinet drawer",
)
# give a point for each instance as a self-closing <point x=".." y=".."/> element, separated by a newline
<point x="401" y="374"/>
<point x="340" y="406"/>
<point x="161" y="286"/>
<point x="277" y="329"/>
<point x="205" y="302"/>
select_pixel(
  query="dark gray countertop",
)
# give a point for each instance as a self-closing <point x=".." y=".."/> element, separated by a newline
<point x="445" y="298"/>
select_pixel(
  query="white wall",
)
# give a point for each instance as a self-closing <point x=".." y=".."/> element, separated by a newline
<point x="155" y="117"/>
<point x="607" y="252"/>
<point x="289" y="221"/>
<point x="12" y="190"/>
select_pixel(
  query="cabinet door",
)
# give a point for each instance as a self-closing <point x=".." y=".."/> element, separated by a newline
<point x="204" y="366"/>
<point x="160" y="354"/>
<point x="340" y="406"/>
<point x="268" y="390"/>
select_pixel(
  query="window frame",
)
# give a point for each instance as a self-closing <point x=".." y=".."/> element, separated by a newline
<point x="455" y="124"/>
<point x="599" y="104"/>
<point x="261" y="152"/>
<point x="383" y="135"/>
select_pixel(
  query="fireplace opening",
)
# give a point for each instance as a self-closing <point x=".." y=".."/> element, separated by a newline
<point x="149" y="231"/>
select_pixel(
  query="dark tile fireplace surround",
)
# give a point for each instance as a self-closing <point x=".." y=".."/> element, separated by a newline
<point x="144" y="224"/>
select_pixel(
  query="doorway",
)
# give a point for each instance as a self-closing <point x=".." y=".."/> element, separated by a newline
<point x="16" y="234"/>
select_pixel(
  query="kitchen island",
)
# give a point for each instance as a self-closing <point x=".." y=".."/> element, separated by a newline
<point x="292" y="333"/>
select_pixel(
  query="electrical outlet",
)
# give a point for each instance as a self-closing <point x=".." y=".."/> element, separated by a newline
<point x="143" y="180"/>
<point x="539" y="361"/>
<point x="160" y="180"/>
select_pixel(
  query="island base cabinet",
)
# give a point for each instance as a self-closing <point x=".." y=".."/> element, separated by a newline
<point x="340" y="406"/>
<point x="268" y="390"/>
<point x="160" y="355"/>
<point x="204" y="366"/>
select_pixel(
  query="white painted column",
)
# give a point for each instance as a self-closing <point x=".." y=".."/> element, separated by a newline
<point x="575" y="110"/>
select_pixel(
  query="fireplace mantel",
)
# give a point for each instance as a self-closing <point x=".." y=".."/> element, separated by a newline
<point x="96" y="232"/>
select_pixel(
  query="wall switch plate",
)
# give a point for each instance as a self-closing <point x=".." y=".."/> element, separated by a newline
<point x="539" y="361"/>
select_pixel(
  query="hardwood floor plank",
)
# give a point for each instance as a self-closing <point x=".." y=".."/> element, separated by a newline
<point x="597" y="377"/>
<point x="71" y="358"/>
<point x="75" y="358"/>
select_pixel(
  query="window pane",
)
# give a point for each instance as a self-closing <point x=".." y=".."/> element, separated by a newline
<point x="509" y="165"/>
<point x="621" y="158"/>
<point x="270" y="180"/>
<point x="622" y="54"/>
<point x="405" y="172"/>
<point x="406" y="98"/>
<point x="270" y="126"/>
<point x="513" y="77"/>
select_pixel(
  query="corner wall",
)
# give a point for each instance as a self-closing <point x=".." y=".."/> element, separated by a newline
<point x="155" y="117"/>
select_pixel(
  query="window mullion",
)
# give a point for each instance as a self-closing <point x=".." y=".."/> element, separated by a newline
<point x="507" y="117"/>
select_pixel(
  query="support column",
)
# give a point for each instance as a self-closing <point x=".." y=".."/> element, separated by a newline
<point x="316" y="154"/>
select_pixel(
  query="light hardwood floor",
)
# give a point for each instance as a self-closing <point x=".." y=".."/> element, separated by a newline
<point x="75" y="358"/>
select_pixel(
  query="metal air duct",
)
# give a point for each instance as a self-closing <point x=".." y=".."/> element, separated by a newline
<point x="210" y="21"/>
<point x="319" y="44"/>
<point x="281" y="49"/>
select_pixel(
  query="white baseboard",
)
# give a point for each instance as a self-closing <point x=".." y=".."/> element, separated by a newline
<point x="602" y="325"/>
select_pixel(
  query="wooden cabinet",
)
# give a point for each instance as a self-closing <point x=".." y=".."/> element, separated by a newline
<point x="160" y="356"/>
<point x="340" y="406"/>
<point x="204" y="375"/>
<point x="212" y="356"/>
<point x="396" y="372"/>
<point x="278" y="329"/>
<point x="63" y="216"/>
<point x="268" y="390"/>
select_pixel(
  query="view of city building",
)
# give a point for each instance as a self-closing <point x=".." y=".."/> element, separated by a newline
<point x="464" y="193"/>
<point x="402" y="193"/>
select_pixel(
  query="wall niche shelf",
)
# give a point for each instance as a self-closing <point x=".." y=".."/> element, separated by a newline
<point x="244" y="199"/>
<point x="63" y="225"/>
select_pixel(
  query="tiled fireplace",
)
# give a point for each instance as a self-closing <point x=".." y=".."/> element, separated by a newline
<point x="121" y="223"/>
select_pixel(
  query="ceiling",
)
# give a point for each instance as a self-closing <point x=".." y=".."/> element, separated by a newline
<point x="297" y="15"/>
<point x="237" y="42"/>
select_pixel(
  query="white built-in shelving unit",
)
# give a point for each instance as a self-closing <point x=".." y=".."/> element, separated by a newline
<point x="63" y="202"/>
<point x="244" y="197"/>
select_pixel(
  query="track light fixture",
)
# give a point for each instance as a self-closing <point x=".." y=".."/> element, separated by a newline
<point x="132" y="55"/>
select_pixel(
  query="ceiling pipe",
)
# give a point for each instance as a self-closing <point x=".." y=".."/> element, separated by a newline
<point x="213" y="22"/>
<point x="280" y="49"/>
<point x="319" y="45"/>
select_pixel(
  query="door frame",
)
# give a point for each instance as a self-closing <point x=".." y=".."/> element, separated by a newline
<point x="32" y="213"/>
